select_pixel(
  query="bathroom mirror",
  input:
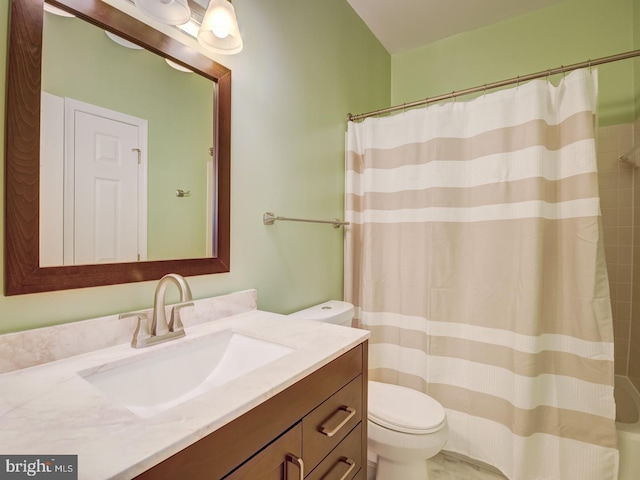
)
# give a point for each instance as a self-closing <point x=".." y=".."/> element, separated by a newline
<point x="23" y="272"/>
<point x="121" y="132"/>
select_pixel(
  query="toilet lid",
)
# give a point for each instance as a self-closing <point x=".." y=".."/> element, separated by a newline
<point x="404" y="409"/>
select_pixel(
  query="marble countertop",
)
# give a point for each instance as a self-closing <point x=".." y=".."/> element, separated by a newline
<point x="51" y="409"/>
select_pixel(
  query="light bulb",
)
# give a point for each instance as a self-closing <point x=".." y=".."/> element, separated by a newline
<point x="219" y="30"/>
<point x="221" y="24"/>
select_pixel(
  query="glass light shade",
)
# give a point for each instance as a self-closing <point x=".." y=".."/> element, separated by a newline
<point x="122" y="42"/>
<point x="171" y="12"/>
<point x="57" y="11"/>
<point x="190" y="28"/>
<point x="177" y="66"/>
<point x="219" y="31"/>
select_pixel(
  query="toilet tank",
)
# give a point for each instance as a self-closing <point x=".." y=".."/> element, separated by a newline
<point x="333" y="311"/>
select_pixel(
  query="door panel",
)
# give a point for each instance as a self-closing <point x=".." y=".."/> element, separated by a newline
<point x="106" y="190"/>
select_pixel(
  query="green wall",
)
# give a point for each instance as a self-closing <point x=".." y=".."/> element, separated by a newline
<point x="304" y="66"/>
<point x="570" y="32"/>
<point x="81" y="62"/>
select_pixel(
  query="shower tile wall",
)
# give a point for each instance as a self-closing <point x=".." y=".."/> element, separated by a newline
<point x="634" y="340"/>
<point x="616" y="197"/>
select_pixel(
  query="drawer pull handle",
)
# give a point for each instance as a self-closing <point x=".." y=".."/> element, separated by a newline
<point x="331" y="432"/>
<point x="345" y="475"/>
<point x="298" y="461"/>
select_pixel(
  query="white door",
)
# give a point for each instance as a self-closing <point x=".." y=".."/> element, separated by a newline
<point x="51" y="179"/>
<point x="107" y="168"/>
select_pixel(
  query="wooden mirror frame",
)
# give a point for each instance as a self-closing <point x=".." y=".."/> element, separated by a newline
<point x="23" y="273"/>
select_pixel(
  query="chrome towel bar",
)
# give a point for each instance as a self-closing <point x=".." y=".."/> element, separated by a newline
<point x="270" y="218"/>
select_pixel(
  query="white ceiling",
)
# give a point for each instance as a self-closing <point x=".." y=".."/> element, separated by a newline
<point x="402" y="25"/>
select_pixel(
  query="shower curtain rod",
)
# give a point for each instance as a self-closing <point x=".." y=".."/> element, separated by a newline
<point x="502" y="83"/>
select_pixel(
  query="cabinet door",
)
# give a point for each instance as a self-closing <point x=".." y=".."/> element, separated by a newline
<point x="278" y="461"/>
<point x="344" y="462"/>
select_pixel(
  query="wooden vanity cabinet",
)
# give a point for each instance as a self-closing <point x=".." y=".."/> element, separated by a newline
<point x="316" y="429"/>
<point x="277" y="461"/>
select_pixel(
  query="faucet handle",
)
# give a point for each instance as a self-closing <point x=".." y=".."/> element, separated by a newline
<point x="175" y="324"/>
<point x="142" y="334"/>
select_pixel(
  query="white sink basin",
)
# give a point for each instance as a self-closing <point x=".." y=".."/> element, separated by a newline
<point x="162" y="380"/>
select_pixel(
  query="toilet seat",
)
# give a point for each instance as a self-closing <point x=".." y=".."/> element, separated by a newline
<point x="404" y="410"/>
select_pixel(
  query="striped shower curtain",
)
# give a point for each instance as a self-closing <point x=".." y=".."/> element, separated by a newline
<point x="475" y="257"/>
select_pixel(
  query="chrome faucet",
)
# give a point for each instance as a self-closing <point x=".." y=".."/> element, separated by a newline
<point x="161" y="331"/>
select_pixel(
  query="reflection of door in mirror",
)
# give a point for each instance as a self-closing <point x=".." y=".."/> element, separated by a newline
<point x="98" y="212"/>
<point x="81" y="62"/>
<point x="107" y="189"/>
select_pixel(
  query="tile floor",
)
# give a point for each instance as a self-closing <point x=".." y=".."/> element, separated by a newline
<point x="448" y="467"/>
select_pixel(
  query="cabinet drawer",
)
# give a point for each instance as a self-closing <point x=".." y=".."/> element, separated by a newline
<point x="330" y="422"/>
<point x="344" y="462"/>
<point x="274" y="461"/>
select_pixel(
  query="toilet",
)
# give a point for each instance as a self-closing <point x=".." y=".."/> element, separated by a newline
<point x="333" y="311"/>
<point x="405" y="427"/>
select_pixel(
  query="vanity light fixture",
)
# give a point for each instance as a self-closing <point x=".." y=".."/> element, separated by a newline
<point x="219" y="31"/>
<point x="57" y="11"/>
<point x="122" y="42"/>
<point x="190" y="28"/>
<point x="170" y="12"/>
<point x="177" y="66"/>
